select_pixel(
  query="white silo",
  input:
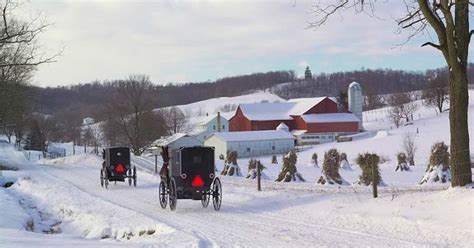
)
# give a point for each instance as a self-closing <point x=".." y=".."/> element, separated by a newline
<point x="355" y="101"/>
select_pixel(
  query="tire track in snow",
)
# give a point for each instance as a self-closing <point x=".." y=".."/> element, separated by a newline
<point x="208" y="233"/>
<point x="254" y="228"/>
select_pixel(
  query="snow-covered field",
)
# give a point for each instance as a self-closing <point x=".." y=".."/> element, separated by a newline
<point x="60" y="202"/>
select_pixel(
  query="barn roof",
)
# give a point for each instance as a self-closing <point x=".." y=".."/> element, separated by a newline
<point x="166" y="141"/>
<point x="267" y="111"/>
<point x="279" y="111"/>
<point x="202" y="120"/>
<point x="330" y="118"/>
<point x="254" y="135"/>
<point x="302" y="105"/>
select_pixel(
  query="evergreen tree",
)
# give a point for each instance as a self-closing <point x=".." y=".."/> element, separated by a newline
<point x="342" y="100"/>
<point x="307" y="74"/>
<point x="36" y="140"/>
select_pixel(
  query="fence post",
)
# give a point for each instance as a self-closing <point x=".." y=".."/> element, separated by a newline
<point x="374" y="177"/>
<point x="156" y="164"/>
<point x="259" y="185"/>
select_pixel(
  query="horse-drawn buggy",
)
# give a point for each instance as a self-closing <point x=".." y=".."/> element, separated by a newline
<point x="189" y="173"/>
<point x="116" y="167"/>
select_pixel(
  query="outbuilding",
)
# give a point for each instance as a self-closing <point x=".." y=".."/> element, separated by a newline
<point x="252" y="143"/>
<point x="177" y="140"/>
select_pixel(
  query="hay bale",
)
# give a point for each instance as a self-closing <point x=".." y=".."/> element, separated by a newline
<point x="438" y="169"/>
<point x="331" y="169"/>
<point x="288" y="171"/>
<point x="314" y="159"/>
<point x="366" y="162"/>
<point x="402" y="162"/>
<point x="344" y="163"/>
<point x="252" y="169"/>
<point x="231" y="168"/>
<point x="274" y="159"/>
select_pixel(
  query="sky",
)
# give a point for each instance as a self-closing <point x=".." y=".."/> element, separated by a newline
<point x="179" y="41"/>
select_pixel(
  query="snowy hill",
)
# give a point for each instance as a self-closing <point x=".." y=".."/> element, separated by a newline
<point x="226" y="104"/>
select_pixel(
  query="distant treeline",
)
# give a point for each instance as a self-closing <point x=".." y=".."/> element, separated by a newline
<point x="88" y="98"/>
<point x="380" y="81"/>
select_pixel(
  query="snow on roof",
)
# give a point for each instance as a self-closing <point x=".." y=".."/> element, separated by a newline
<point x="267" y="111"/>
<point x="302" y="105"/>
<point x="279" y="111"/>
<point x="254" y="135"/>
<point x="297" y="132"/>
<point x="165" y="141"/>
<point x="205" y="119"/>
<point x="330" y="118"/>
<point x="283" y="126"/>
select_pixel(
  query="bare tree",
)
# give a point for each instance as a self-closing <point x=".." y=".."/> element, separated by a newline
<point x="20" y="53"/>
<point x="372" y="99"/>
<point x="436" y="93"/>
<point x="130" y="116"/>
<point x="409" y="147"/>
<point x="175" y="119"/>
<point x="403" y="105"/>
<point x="449" y="20"/>
<point x="395" y="116"/>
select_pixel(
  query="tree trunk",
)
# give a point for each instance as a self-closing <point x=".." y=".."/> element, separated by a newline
<point x="460" y="157"/>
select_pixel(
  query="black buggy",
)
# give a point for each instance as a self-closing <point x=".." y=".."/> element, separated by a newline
<point x="116" y="167"/>
<point x="189" y="173"/>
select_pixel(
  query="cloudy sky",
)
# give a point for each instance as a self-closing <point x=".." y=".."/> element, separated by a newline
<point x="185" y="41"/>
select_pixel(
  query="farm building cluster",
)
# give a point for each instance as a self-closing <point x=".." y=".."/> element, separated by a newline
<point x="258" y="129"/>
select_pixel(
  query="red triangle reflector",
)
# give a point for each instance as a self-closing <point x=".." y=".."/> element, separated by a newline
<point x="197" y="181"/>
<point x="119" y="168"/>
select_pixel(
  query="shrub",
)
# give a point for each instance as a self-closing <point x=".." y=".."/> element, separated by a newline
<point x="366" y="162"/>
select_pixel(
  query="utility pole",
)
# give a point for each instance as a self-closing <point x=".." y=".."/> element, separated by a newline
<point x="374" y="175"/>
<point x="259" y="177"/>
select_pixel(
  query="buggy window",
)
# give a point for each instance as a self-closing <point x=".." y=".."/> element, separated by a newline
<point x="197" y="160"/>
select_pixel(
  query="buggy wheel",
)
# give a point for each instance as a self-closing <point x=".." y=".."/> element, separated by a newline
<point x="101" y="178"/>
<point x="129" y="175"/>
<point x="163" y="194"/>
<point x="216" y="193"/>
<point x="134" y="176"/>
<point x="205" y="199"/>
<point x="106" y="179"/>
<point x="173" y="195"/>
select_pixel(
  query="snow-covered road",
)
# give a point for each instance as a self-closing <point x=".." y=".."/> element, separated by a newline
<point x="68" y="192"/>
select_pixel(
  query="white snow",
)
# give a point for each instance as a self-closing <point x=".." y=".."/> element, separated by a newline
<point x="64" y="196"/>
<point x="281" y="110"/>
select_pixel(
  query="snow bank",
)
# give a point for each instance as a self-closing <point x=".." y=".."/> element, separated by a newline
<point x="81" y="212"/>
<point x="13" y="216"/>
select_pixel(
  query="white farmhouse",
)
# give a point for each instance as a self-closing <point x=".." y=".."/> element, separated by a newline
<point x="207" y="125"/>
<point x="251" y="143"/>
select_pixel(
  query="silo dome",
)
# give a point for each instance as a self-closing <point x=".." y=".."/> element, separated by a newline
<point x="283" y="127"/>
<point x="355" y="101"/>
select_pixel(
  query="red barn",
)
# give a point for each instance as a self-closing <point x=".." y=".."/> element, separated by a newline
<point x="306" y="116"/>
